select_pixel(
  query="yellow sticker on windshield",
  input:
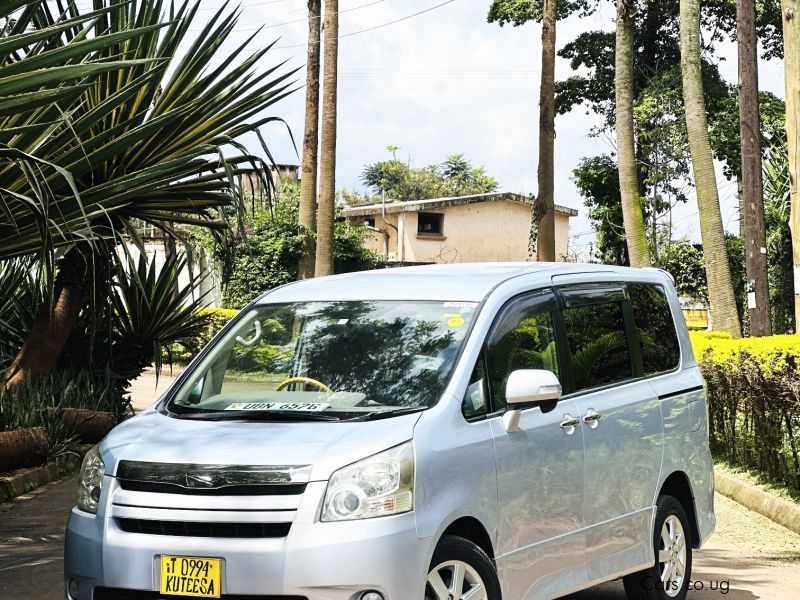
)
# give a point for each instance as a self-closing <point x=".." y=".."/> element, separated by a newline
<point x="454" y="319"/>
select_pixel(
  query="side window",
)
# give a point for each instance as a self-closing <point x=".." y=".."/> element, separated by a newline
<point x="597" y="344"/>
<point x="656" y="328"/>
<point x="523" y="339"/>
<point x="476" y="399"/>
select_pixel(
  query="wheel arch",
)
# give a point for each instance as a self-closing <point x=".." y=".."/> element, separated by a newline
<point x="677" y="485"/>
<point x="473" y="530"/>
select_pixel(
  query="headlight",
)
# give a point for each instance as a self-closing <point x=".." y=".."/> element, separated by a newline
<point x="377" y="486"/>
<point x="90" y="481"/>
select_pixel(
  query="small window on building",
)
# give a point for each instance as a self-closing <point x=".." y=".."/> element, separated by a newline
<point x="430" y="224"/>
<point x="369" y="222"/>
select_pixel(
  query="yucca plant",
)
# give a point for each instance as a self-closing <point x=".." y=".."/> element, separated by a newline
<point x="151" y="312"/>
<point x="143" y="142"/>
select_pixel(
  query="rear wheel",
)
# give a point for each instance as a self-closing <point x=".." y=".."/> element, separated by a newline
<point x="460" y="570"/>
<point x="668" y="578"/>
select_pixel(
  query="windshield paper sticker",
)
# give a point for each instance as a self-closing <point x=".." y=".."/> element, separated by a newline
<point x="269" y="406"/>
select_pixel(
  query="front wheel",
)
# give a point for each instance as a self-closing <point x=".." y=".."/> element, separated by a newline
<point x="460" y="570"/>
<point x="668" y="578"/>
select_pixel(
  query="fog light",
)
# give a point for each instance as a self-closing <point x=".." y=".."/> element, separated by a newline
<point x="371" y="596"/>
<point x="72" y="589"/>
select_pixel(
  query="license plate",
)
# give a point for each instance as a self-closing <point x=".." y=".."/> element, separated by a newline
<point x="191" y="576"/>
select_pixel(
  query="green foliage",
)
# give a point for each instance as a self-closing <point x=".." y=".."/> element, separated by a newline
<point x="779" y="239"/>
<point x="754" y="402"/>
<point x="266" y="252"/>
<point x="519" y="12"/>
<point x="724" y="130"/>
<point x="454" y="177"/>
<point x="597" y="180"/>
<point x="142" y="138"/>
<point x="142" y="311"/>
<point x="685" y="263"/>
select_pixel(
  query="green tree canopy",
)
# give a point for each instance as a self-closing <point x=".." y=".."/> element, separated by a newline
<point x="456" y="176"/>
<point x="519" y="12"/>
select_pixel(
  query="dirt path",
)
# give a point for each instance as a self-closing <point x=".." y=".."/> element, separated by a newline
<point x="748" y="558"/>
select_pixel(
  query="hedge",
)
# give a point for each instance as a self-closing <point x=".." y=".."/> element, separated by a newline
<point x="218" y="318"/>
<point x="754" y="401"/>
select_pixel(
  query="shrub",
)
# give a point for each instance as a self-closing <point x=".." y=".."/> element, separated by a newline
<point x="754" y="401"/>
<point x="266" y="251"/>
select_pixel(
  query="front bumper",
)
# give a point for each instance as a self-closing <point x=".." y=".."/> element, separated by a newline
<point x="317" y="561"/>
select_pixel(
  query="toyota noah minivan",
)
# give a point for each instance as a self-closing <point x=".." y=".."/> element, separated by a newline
<point x="451" y="432"/>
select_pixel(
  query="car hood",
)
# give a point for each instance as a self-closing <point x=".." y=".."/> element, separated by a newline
<point x="154" y="437"/>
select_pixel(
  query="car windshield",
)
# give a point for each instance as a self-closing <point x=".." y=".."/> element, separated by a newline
<point x="328" y="361"/>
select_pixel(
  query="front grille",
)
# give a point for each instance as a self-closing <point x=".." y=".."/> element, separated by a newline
<point x="104" y="593"/>
<point x="287" y="489"/>
<point x="206" y="530"/>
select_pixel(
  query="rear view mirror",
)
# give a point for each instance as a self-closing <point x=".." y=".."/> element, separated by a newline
<point x="526" y="388"/>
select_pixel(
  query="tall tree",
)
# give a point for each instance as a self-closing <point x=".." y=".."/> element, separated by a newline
<point x="791" y="65"/>
<point x="545" y="198"/>
<point x="626" y="139"/>
<point x="308" y="183"/>
<point x="327" y="184"/>
<point x="755" y="243"/>
<point x="519" y="12"/>
<point x="720" y="286"/>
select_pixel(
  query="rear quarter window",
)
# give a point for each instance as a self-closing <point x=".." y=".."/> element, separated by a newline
<point x="655" y="327"/>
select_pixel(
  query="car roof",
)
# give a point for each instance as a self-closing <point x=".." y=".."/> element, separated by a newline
<point x="467" y="282"/>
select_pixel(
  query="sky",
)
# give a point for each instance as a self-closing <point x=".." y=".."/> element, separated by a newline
<point x="446" y="82"/>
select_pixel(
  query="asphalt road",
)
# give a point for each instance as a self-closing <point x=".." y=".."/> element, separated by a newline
<point x="748" y="558"/>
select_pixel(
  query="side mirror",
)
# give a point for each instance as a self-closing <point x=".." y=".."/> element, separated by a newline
<point x="526" y="388"/>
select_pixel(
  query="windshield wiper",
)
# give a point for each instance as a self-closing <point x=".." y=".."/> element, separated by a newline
<point x="385" y="414"/>
<point x="259" y="415"/>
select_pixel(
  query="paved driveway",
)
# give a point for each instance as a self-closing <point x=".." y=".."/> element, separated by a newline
<point x="748" y="558"/>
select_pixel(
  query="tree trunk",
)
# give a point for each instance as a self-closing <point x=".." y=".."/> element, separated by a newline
<point x="791" y="65"/>
<point x="54" y="322"/>
<point x="626" y="145"/>
<point x="720" y="288"/>
<point x="545" y="199"/>
<point x="308" y="182"/>
<point x="327" y="182"/>
<point x="755" y="240"/>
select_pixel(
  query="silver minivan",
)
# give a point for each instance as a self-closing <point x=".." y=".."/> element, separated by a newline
<point x="450" y="432"/>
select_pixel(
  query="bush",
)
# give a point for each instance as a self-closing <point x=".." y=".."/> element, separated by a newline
<point x="266" y="252"/>
<point x="754" y="402"/>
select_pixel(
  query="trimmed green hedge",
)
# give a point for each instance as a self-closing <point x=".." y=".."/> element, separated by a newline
<point x="754" y="401"/>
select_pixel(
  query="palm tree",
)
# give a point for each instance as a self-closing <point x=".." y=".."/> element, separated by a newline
<point x="720" y="287"/>
<point x="626" y="144"/>
<point x="327" y="183"/>
<point x="308" y="183"/>
<point x="545" y="200"/>
<point x="142" y="143"/>
<point x="791" y="65"/>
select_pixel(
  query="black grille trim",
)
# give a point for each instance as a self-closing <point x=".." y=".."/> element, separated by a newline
<point x="205" y="529"/>
<point x="104" y="593"/>
<point x="286" y="489"/>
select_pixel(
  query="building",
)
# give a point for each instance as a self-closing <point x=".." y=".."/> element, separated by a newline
<point x="480" y="228"/>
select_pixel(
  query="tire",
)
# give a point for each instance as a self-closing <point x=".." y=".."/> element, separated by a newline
<point x="456" y="554"/>
<point x="671" y="523"/>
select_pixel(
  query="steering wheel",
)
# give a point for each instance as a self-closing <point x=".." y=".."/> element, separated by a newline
<point x="292" y="380"/>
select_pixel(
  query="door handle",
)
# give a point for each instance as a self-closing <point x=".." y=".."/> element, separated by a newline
<point x="569" y="424"/>
<point x="592" y="418"/>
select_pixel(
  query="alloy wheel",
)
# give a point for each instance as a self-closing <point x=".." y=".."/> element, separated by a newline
<point x="454" y="580"/>
<point x="672" y="556"/>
